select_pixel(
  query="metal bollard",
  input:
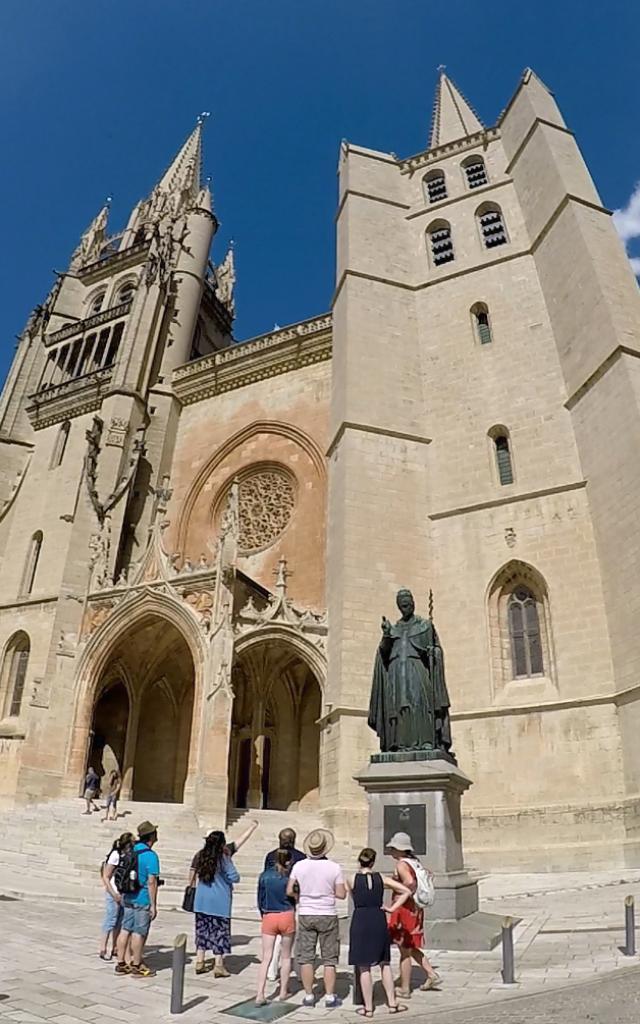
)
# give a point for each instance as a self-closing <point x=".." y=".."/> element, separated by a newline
<point x="630" y="926"/>
<point x="178" y="962"/>
<point x="357" y="988"/>
<point x="508" y="965"/>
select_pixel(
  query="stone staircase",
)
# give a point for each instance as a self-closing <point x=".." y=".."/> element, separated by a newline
<point x="52" y="850"/>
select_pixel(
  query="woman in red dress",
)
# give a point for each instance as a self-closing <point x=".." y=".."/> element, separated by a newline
<point x="406" y="924"/>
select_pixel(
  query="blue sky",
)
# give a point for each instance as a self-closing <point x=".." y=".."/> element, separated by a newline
<point x="96" y="95"/>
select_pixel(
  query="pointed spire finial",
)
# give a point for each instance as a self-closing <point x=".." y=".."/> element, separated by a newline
<point x="202" y="116"/>
<point x="441" y="68"/>
<point x="453" y="117"/>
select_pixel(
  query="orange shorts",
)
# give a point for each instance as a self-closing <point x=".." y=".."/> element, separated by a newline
<point x="280" y="923"/>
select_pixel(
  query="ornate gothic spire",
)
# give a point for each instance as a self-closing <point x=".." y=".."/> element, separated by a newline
<point x="184" y="172"/>
<point x="92" y="239"/>
<point x="453" y="118"/>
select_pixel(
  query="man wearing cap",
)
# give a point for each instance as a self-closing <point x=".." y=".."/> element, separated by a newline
<point x="316" y="883"/>
<point x="141" y="908"/>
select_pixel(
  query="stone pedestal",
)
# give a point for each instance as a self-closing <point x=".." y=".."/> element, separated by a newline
<point x="422" y="798"/>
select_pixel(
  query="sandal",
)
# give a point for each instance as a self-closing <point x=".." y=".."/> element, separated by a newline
<point x="107" y="957"/>
<point x="398" y="1008"/>
<point x="431" y="983"/>
<point x="403" y="993"/>
<point x="363" y="1012"/>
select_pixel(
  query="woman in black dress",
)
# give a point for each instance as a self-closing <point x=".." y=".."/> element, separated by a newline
<point x="369" y="941"/>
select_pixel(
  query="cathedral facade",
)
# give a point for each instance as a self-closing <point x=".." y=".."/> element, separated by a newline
<point x="199" y="537"/>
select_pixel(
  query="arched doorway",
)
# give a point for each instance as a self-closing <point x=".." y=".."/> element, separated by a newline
<point x="109" y="729"/>
<point x="275" y="736"/>
<point x="146" y="728"/>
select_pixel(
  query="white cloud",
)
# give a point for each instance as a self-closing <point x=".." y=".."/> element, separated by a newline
<point x="627" y="222"/>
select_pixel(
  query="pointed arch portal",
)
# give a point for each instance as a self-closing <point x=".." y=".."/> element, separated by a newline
<point x="275" y="736"/>
<point x="142" y="711"/>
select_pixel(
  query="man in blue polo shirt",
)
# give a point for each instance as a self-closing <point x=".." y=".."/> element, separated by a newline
<point x="140" y="909"/>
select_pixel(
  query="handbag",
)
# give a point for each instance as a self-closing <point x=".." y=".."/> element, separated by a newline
<point x="189" y="898"/>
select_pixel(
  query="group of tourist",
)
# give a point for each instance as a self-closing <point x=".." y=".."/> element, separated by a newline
<point x="297" y="897"/>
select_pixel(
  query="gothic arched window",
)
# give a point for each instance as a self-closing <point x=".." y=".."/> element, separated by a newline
<point x="491" y="224"/>
<point x="60" y="445"/>
<point x="440" y="243"/>
<point x="31" y="564"/>
<point x="475" y="172"/>
<point x="14" y="672"/>
<point x="482" y="327"/>
<point x="435" y="186"/>
<point x="520" y="625"/>
<point x="96" y="302"/>
<point x="524" y="634"/>
<point x="125" y="292"/>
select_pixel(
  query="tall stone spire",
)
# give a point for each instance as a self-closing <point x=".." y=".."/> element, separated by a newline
<point x="453" y="118"/>
<point x="183" y="173"/>
<point x="180" y="186"/>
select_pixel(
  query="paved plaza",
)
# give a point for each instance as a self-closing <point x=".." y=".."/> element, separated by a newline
<point x="569" y="964"/>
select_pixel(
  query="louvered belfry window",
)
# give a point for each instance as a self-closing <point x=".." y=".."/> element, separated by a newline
<point x="476" y="173"/>
<point x="492" y="228"/>
<point x="503" y="459"/>
<point x="436" y="187"/>
<point x="441" y="244"/>
<point x="524" y="634"/>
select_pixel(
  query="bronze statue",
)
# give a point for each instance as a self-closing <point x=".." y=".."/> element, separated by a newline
<point x="409" y="708"/>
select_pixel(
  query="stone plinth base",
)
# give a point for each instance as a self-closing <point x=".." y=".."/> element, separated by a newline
<point x="422" y="798"/>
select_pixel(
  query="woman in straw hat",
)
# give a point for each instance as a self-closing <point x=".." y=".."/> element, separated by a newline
<point x="406" y="924"/>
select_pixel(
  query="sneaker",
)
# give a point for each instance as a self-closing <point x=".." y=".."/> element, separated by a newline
<point x="142" y="971"/>
<point x="332" y="1002"/>
<point x="309" y="1001"/>
<point x="122" y="968"/>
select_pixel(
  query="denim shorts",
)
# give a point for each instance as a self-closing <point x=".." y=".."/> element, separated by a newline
<point x="137" y="920"/>
<point x="113" y="912"/>
<point x="112" y="800"/>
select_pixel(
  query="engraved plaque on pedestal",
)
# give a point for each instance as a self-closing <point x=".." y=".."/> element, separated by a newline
<point x="409" y="818"/>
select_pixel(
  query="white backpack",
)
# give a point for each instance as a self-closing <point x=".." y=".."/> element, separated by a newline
<point x="425" y="893"/>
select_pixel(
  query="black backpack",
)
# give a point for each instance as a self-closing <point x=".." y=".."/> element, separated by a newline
<point x="126" y="874"/>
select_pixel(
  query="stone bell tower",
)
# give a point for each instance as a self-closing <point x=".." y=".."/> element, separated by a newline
<point x="88" y="421"/>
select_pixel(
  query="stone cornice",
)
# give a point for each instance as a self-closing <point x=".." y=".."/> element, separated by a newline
<point x="73" y="398"/>
<point x="267" y="356"/>
<point x="431" y="156"/>
<point x="80" y="326"/>
<point x="509" y="499"/>
<point x="117" y="261"/>
<point x="368" y="428"/>
<point x="433" y="208"/>
<point x="617" y="697"/>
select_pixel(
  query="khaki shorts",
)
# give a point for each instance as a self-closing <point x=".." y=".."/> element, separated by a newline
<point x="312" y="930"/>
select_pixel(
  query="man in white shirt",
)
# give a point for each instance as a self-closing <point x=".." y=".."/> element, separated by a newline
<point x="316" y="883"/>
